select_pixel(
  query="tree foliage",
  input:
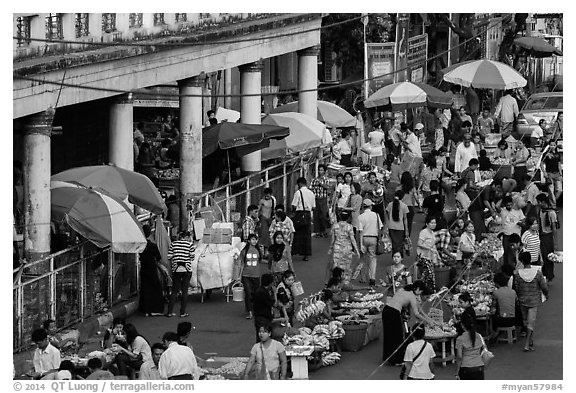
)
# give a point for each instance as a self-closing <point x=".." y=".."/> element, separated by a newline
<point x="347" y="40"/>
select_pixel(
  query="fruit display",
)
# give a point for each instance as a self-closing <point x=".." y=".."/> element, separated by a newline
<point x="364" y="304"/>
<point x="367" y="297"/>
<point x="484" y="183"/>
<point x="310" y="308"/>
<point x="166" y="174"/>
<point x="556" y="257"/>
<point x="447" y="330"/>
<point x="233" y="369"/>
<point x="330" y="358"/>
<point x="485" y="175"/>
<point x="501" y="161"/>
<point x="481" y="293"/>
<point x="489" y="245"/>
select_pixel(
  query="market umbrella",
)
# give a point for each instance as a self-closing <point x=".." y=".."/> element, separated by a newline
<point x="305" y="133"/>
<point x="537" y="47"/>
<point x="121" y="183"/>
<point x="484" y="74"/>
<point x="329" y="113"/>
<point x="404" y="95"/>
<point x="98" y="216"/>
<point x="229" y="135"/>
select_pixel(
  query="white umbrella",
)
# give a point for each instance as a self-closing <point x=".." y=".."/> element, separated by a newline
<point x="98" y="216"/>
<point x="484" y="74"/>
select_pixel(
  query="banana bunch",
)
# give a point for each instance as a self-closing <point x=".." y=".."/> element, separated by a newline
<point x="320" y="341"/>
<point x="321" y="330"/>
<point x="336" y="330"/>
<point x="372" y="296"/>
<point x="330" y="358"/>
<point x="304" y="331"/>
<point x="311" y="309"/>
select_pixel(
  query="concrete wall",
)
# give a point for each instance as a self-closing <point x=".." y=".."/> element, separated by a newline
<point x="126" y="71"/>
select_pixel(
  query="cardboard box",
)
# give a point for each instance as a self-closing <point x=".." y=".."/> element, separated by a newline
<point x="217" y="236"/>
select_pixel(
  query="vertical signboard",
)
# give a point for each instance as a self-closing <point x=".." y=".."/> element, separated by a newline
<point x="402" y="26"/>
<point x="416" y="58"/>
<point x="380" y="62"/>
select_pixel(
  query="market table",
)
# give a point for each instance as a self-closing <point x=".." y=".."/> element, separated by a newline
<point x="486" y="322"/>
<point x="444" y="357"/>
<point x="299" y="364"/>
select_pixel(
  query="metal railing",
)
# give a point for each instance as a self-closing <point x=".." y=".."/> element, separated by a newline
<point x="233" y="199"/>
<point x="70" y="286"/>
<point x="83" y="280"/>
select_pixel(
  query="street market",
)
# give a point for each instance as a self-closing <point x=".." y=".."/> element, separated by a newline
<point x="407" y="225"/>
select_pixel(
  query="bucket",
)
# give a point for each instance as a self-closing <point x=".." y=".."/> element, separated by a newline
<point x="237" y="292"/>
<point x="297" y="288"/>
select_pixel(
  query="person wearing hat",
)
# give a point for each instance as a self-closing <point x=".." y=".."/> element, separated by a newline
<point x="464" y="153"/>
<point x="411" y="141"/>
<point x="370" y="227"/>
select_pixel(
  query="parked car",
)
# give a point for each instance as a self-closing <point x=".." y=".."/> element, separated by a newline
<point x="539" y="106"/>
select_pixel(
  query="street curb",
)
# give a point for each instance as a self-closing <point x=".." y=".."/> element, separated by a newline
<point x="86" y="329"/>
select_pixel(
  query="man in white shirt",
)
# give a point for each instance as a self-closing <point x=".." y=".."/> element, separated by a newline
<point x="395" y="135"/>
<point x="178" y="361"/>
<point x="506" y="111"/>
<point x="464" y="153"/>
<point x="411" y="142"/>
<point x="303" y="204"/>
<point x="419" y="357"/>
<point x="511" y="219"/>
<point x="369" y="226"/>
<point x="46" y="357"/>
<point x="149" y="369"/>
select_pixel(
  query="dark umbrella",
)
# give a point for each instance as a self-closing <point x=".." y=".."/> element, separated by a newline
<point x="537" y="47"/>
<point x="229" y="135"/>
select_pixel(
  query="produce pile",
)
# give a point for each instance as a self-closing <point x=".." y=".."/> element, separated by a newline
<point x="485" y="175"/>
<point x="168" y="174"/>
<point x="447" y="330"/>
<point x="230" y="370"/>
<point x="481" y="292"/>
<point x="501" y="161"/>
<point x="364" y="304"/>
<point x="489" y="245"/>
<point x="319" y="338"/>
<point x="309" y="308"/>
<point x="556" y="257"/>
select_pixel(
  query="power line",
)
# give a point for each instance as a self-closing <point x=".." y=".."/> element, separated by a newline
<point x="184" y="44"/>
<point x="295" y="91"/>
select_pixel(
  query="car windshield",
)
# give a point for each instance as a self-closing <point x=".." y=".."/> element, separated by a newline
<point x="551" y="103"/>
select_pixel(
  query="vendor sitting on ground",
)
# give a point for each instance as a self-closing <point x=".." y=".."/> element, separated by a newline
<point x="505" y="299"/>
<point x="46" y="357"/>
<point x="346" y="285"/>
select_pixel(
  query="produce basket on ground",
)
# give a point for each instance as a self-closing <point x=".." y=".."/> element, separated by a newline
<point x="353" y="340"/>
<point x="442" y="277"/>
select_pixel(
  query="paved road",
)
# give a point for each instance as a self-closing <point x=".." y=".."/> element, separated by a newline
<point x="221" y="328"/>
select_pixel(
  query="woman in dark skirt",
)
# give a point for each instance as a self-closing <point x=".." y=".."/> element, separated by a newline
<point x="393" y="324"/>
<point x="151" y="296"/>
<point x="548" y="233"/>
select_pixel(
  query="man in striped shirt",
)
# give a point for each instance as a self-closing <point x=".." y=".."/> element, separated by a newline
<point x="181" y="255"/>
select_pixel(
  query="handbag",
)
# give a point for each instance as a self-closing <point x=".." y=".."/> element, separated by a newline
<point x="299" y="218"/>
<point x="486" y="355"/>
<point x="403" y="369"/>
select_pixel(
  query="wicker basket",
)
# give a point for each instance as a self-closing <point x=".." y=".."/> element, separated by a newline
<point x="353" y="340"/>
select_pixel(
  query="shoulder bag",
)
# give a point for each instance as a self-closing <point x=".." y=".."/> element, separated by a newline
<point x="486" y="355"/>
<point x="299" y="217"/>
<point x="403" y="370"/>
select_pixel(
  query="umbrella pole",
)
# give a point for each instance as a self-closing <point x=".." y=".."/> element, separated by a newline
<point x="229" y="169"/>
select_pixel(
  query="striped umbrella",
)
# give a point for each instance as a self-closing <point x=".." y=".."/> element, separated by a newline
<point x="98" y="216"/>
<point x="305" y="133"/>
<point x="484" y="74"/>
<point x="330" y="114"/>
<point x="404" y="95"/>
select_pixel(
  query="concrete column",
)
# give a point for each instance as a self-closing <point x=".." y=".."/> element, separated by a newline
<point x="251" y="83"/>
<point x="147" y="20"/>
<point x="95" y="25"/>
<point x="69" y="27"/>
<point x="308" y="79"/>
<point x="37" y="185"/>
<point x="38" y="29"/>
<point x="121" y="145"/>
<point x="190" y="144"/>
<point x="228" y="88"/>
